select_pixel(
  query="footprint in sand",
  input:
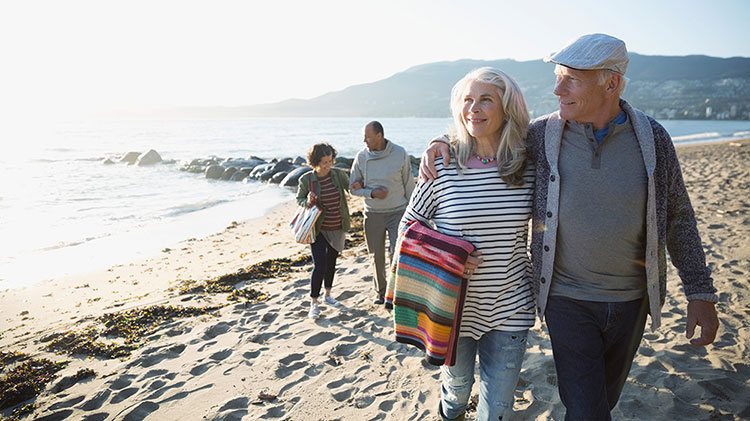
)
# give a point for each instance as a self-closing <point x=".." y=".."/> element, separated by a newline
<point x="269" y="317"/>
<point x="123" y="394"/>
<point x="344" y="350"/>
<point x="264" y="337"/>
<point x="67" y="404"/>
<point x="141" y="411"/>
<point x="201" y="368"/>
<point x="347" y="294"/>
<point x="344" y="395"/>
<point x="159" y="354"/>
<point x="275" y="412"/>
<point x="287" y="368"/>
<point x="99" y="416"/>
<point x="164" y="389"/>
<point x="387" y="405"/>
<point x="97" y="401"/>
<point x="249" y="355"/>
<point x="221" y="355"/>
<point x="216" y="330"/>
<point x="61" y="415"/>
<point x="122" y="382"/>
<point x="320" y="338"/>
<point x="154" y="373"/>
<point x="236" y="403"/>
<point x="206" y="345"/>
<point x="157" y="384"/>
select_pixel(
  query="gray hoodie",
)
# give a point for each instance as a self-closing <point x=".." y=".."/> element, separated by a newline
<point x="389" y="168"/>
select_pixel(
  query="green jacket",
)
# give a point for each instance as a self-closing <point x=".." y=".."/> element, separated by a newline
<point x="340" y="180"/>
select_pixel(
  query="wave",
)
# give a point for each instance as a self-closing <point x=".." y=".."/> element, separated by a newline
<point x="64" y="244"/>
<point x="194" y="207"/>
<point x="696" y="136"/>
<point x="53" y="160"/>
<point x="742" y="134"/>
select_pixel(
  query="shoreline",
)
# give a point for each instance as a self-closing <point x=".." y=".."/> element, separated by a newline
<point x="264" y="358"/>
<point x="24" y="269"/>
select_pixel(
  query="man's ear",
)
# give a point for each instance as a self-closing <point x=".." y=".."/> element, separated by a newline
<point x="613" y="84"/>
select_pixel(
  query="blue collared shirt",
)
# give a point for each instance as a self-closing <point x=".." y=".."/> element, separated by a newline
<point x="600" y="134"/>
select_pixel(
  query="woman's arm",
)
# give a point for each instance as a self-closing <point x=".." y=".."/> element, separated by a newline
<point x="303" y="189"/>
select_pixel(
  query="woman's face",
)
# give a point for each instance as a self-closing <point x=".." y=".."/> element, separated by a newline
<point x="482" y="112"/>
<point x="324" y="166"/>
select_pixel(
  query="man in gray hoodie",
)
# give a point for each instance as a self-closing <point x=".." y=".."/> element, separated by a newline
<point x="381" y="173"/>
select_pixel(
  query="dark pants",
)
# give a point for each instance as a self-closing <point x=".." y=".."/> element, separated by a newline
<point x="593" y="344"/>
<point x="324" y="257"/>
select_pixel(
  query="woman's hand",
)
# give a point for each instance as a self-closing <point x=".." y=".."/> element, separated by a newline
<point x="312" y="199"/>
<point x="427" y="169"/>
<point x="472" y="262"/>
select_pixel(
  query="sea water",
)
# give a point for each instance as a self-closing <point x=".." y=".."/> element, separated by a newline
<point x="62" y="211"/>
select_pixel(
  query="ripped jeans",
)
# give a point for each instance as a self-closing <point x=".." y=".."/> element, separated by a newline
<point x="500" y="358"/>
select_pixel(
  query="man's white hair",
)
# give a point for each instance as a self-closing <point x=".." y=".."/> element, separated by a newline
<point x="604" y="76"/>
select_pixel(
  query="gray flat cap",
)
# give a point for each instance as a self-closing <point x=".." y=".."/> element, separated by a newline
<point x="593" y="52"/>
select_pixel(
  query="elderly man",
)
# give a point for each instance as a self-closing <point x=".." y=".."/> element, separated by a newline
<point x="609" y="200"/>
<point x="381" y="173"/>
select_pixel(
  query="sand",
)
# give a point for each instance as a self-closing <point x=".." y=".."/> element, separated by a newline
<point x="267" y="360"/>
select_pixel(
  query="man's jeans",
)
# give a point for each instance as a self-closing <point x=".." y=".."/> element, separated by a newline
<point x="500" y="358"/>
<point x="593" y="344"/>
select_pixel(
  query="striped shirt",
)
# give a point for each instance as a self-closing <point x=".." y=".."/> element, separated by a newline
<point x="329" y="198"/>
<point x="478" y="206"/>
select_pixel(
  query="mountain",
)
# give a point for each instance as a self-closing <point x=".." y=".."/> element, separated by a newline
<point x="665" y="86"/>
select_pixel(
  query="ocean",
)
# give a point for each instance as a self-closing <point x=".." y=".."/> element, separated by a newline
<point x="63" y="212"/>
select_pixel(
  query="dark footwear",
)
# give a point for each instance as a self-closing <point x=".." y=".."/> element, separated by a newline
<point x="380" y="300"/>
<point x="462" y="417"/>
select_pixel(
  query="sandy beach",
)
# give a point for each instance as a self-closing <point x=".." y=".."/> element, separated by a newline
<point x="260" y="357"/>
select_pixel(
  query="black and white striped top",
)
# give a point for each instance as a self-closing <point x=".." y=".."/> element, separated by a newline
<point x="478" y="206"/>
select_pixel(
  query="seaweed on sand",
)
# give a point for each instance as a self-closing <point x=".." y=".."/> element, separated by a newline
<point x="248" y="294"/>
<point x="356" y="234"/>
<point x="26" y="380"/>
<point x="130" y="325"/>
<point x="85" y="342"/>
<point x="8" y="358"/>
<point x="266" y="269"/>
<point x="134" y="324"/>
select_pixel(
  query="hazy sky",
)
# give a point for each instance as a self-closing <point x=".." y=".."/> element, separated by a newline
<point x="60" y="57"/>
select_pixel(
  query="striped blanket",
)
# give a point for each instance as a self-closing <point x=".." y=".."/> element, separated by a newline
<point x="427" y="290"/>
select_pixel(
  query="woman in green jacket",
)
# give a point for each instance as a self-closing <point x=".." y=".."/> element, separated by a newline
<point x="325" y="187"/>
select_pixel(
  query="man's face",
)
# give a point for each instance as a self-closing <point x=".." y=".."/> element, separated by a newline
<point x="581" y="97"/>
<point x="374" y="142"/>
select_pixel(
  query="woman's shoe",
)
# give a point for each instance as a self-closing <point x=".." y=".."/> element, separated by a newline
<point x="331" y="301"/>
<point x="314" y="311"/>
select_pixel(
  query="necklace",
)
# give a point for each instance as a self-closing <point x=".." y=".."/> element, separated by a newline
<point x="486" y="159"/>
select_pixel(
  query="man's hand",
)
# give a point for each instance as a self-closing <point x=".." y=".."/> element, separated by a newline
<point x="472" y="262"/>
<point x="703" y="314"/>
<point x="356" y="186"/>
<point x="427" y="169"/>
<point x="379" y="193"/>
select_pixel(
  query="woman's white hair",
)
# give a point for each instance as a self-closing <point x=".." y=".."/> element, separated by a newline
<point x="511" y="154"/>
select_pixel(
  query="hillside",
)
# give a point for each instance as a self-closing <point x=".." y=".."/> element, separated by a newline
<point x="691" y="87"/>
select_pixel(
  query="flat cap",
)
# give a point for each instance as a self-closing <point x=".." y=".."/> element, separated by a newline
<point x="593" y="52"/>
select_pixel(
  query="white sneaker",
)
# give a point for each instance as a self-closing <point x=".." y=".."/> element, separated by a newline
<point x="331" y="301"/>
<point x="314" y="311"/>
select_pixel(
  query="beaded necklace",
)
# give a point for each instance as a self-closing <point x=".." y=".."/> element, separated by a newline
<point x="486" y="159"/>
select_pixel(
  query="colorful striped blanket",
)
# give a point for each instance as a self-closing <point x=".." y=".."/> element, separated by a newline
<point x="427" y="290"/>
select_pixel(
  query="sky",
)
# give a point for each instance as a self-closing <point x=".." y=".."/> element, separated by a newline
<point x="66" y="58"/>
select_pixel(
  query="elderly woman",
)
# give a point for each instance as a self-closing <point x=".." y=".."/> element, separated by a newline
<point x="325" y="187"/>
<point x="485" y="196"/>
